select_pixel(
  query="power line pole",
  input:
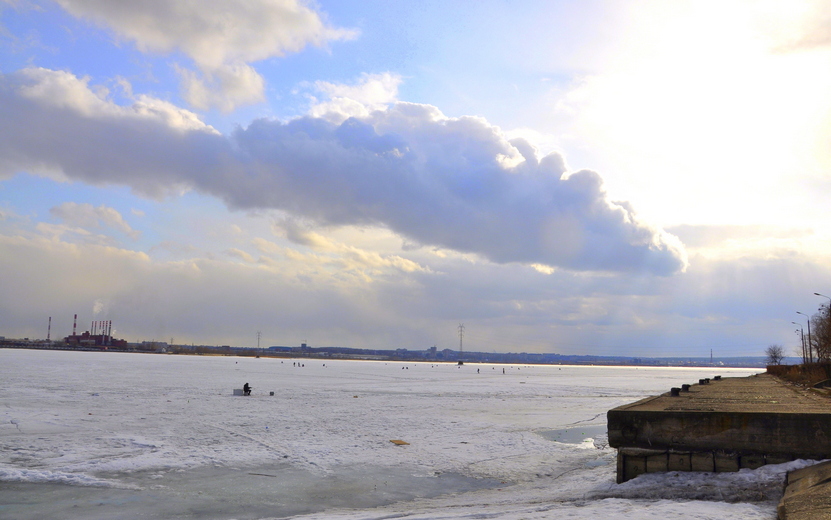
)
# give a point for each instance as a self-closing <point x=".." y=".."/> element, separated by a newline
<point x="461" y="335"/>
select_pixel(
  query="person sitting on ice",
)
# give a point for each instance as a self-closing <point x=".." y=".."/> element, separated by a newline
<point x="246" y="390"/>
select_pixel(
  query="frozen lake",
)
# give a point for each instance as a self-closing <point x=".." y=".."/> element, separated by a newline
<point x="115" y="435"/>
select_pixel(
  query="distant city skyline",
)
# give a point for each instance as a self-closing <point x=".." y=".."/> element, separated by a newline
<point x="643" y="179"/>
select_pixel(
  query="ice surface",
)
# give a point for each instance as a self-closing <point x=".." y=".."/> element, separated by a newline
<point x="155" y="436"/>
<point x="240" y="493"/>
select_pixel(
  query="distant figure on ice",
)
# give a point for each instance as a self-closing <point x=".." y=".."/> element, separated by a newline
<point x="246" y="390"/>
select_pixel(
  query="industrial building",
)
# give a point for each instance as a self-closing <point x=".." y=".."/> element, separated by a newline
<point x="101" y="335"/>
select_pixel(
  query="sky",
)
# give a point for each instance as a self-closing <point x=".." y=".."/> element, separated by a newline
<point x="633" y="178"/>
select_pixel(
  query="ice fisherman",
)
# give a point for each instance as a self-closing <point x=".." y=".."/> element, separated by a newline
<point x="246" y="389"/>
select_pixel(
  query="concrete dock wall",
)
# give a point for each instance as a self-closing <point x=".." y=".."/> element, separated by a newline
<point x="632" y="462"/>
<point x="720" y="425"/>
<point x="804" y="435"/>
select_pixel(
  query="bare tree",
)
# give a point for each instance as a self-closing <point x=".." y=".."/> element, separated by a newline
<point x="821" y="337"/>
<point x="775" y="354"/>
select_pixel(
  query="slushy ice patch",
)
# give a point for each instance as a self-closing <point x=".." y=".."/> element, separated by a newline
<point x="241" y="493"/>
<point x="595" y="433"/>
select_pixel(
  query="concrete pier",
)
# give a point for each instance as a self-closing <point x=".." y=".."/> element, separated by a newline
<point x="807" y="494"/>
<point x="721" y="425"/>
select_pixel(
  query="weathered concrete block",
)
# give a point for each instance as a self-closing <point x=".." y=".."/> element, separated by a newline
<point x="632" y="462"/>
<point x="807" y="494"/>
<point x="801" y="479"/>
<point x="751" y="461"/>
<point x="702" y="461"/>
<point x="678" y="461"/>
<point x="633" y="466"/>
<point x="726" y="461"/>
<point x="656" y="463"/>
<point x="778" y="458"/>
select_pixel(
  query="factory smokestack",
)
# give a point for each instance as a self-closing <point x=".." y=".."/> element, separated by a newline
<point x="74" y="324"/>
<point x="49" y="330"/>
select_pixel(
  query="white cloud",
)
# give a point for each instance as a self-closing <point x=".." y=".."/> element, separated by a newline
<point x="221" y="36"/>
<point x="242" y="255"/>
<point x="372" y="92"/>
<point x="87" y="216"/>
<point x="62" y="90"/>
<point x="348" y="257"/>
<point x="436" y="180"/>
<point x="55" y="122"/>
<point x="225" y="87"/>
<point x="173" y="117"/>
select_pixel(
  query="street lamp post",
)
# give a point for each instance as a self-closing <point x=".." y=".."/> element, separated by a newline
<point x="810" y="347"/>
<point x="802" y="339"/>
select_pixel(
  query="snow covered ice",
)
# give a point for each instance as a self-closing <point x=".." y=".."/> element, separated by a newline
<point x="116" y="435"/>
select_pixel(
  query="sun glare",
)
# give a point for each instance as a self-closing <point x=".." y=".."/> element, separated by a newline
<point x="696" y="107"/>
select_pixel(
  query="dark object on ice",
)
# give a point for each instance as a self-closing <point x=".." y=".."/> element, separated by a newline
<point x="246" y="390"/>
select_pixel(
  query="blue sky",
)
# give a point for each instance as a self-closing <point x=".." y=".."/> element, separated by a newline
<point x="631" y="178"/>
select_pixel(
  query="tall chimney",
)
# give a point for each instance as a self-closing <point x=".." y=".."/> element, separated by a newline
<point x="49" y="330"/>
<point x="74" y="324"/>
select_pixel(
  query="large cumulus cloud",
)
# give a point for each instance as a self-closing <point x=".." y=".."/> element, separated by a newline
<point x="452" y="182"/>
